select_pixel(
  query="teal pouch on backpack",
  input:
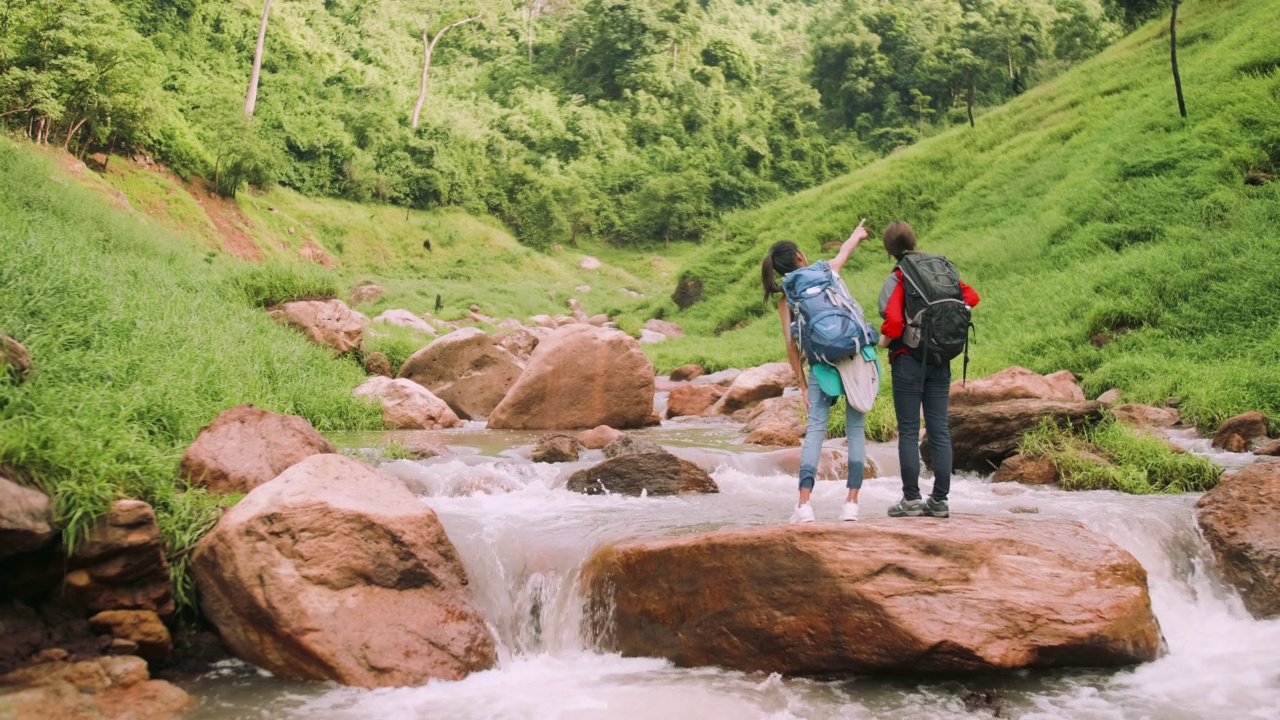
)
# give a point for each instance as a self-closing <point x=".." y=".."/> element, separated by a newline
<point x="828" y="379"/>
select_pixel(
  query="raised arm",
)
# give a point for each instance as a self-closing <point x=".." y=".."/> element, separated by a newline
<point x="846" y="249"/>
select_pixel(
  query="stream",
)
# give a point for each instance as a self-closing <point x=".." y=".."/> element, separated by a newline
<point x="523" y="539"/>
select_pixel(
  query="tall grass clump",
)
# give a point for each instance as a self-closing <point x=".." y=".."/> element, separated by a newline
<point x="1106" y="235"/>
<point x="276" y="282"/>
<point x="394" y="341"/>
<point x="136" y="343"/>
<point x="1111" y="456"/>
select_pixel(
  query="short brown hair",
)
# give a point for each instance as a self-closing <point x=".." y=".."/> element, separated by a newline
<point x="899" y="239"/>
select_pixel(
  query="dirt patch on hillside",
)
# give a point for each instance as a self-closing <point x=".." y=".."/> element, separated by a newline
<point x="226" y="217"/>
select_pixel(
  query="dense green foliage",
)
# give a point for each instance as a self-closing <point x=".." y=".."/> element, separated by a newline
<point x="136" y="342"/>
<point x="630" y="122"/>
<point x="1105" y="234"/>
<point x="1110" y="456"/>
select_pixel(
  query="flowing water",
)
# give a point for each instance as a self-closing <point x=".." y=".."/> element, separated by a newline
<point x="523" y="538"/>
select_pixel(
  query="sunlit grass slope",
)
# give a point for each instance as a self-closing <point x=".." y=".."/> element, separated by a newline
<point x="1086" y="212"/>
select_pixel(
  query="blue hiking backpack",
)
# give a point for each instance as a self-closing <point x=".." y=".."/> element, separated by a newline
<point x="829" y="323"/>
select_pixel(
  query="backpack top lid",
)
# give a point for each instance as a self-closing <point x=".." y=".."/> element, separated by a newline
<point x="807" y="280"/>
<point x="931" y="275"/>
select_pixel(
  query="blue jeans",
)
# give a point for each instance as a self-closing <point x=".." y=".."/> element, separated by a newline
<point x="816" y="432"/>
<point x="908" y="398"/>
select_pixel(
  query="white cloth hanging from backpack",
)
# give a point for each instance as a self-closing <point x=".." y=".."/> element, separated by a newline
<point x="861" y="380"/>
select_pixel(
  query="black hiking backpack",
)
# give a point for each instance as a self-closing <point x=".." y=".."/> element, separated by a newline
<point x="938" y="322"/>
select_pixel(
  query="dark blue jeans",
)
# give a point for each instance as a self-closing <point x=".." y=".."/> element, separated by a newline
<point x="908" y="399"/>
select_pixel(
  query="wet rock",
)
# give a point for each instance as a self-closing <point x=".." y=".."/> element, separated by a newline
<point x="15" y="361"/>
<point x="26" y="519"/>
<point x="325" y="322"/>
<point x="246" y="446"/>
<point x="687" y="372"/>
<point x="775" y="436"/>
<point x="1241" y="520"/>
<point x="376" y="363"/>
<point x="333" y="533"/>
<point x="555" y="448"/>
<point x="1141" y="416"/>
<point x="1016" y="383"/>
<point x="1110" y="397"/>
<point x="665" y="328"/>
<point x="468" y="369"/>
<point x="106" y="688"/>
<point x="1249" y="426"/>
<point x="631" y="445"/>
<point x="404" y="318"/>
<point x="580" y="377"/>
<point x="1024" y="510"/>
<point x="1231" y="442"/>
<point x="598" y="437"/>
<point x="833" y="464"/>
<point x="975" y="596"/>
<point x="754" y="385"/>
<point x="1271" y="449"/>
<point x="653" y="474"/>
<point x="1027" y="470"/>
<point x="983" y="436"/>
<point x="408" y="405"/>
<point x="120" y="563"/>
<point x="366" y="294"/>
<point x="786" y="411"/>
<point x="143" y="628"/>
<point x="694" y="400"/>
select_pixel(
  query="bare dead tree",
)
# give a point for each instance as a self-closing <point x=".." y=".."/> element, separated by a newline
<point x="429" y="47"/>
<point x="1173" y="57"/>
<point x="251" y="99"/>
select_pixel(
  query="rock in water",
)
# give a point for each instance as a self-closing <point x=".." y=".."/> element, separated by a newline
<point x="754" y="385"/>
<point x="984" y="435"/>
<point x="246" y="446"/>
<point x="333" y="571"/>
<point x="106" y="688"/>
<point x="975" y="595"/>
<point x="598" y="437"/>
<point x="653" y="474"/>
<point x="693" y="399"/>
<point x="631" y="445"/>
<point x="1249" y="426"/>
<point x="580" y="376"/>
<point x="467" y="368"/>
<point x="406" y="404"/>
<point x="555" y="448"/>
<point x="1241" y="520"/>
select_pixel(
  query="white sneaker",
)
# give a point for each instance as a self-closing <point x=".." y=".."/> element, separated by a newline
<point x="849" y="512"/>
<point x="803" y="514"/>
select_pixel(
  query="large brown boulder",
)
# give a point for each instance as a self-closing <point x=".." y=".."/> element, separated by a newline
<point x="325" y="322"/>
<point x="408" y="405"/>
<point x="105" y="688"/>
<point x="1014" y="383"/>
<point x="120" y="563"/>
<point x="1027" y="470"/>
<point x="333" y="571"/>
<point x="693" y="399"/>
<point x="246" y="446"/>
<point x="776" y="422"/>
<point x="579" y="377"/>
<point x="26" y="519"/>
<point x="984" y="435"/>
<point x="1249" y="426"/>
<point x="755" y="384"/>
<point x="658" y="473"/>
<point x="467" y="368"/>
<point x="977" y="595"/>
<point x="1241" y="520"/>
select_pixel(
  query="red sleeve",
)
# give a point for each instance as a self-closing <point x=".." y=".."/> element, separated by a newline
<point x="970" y="295"/>
<point x="893" y="318"/>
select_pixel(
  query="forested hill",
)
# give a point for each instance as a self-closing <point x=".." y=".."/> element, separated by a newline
<point x="627" y="122"/>
<point x="1106" y="234"/>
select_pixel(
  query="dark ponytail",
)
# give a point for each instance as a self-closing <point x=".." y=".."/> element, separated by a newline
<point x="780" y="260"/>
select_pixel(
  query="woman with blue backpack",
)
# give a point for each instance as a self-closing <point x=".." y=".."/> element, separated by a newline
<point x="823" y="324"/>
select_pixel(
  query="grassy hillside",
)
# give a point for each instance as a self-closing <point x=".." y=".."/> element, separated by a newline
<point x="1085" y="212"/>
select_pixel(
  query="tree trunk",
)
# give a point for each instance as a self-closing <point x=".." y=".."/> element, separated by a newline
<point x="1173" y="57"/>
<point x="66" y="143"/>
<point x="427" y="49"/>
<point x="251" y="99"/>
<point x="969" y="103"/>
<point x="532" y="10"/>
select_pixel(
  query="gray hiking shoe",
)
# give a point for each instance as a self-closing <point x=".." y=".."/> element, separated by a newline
<point x="907" y="508"/>
<point x="936" y="508"/>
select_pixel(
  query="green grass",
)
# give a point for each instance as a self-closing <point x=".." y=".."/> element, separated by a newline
<point x="1085" y="206"/>
<point x="394" y="341"/>
<point x="138" y="339"/>
<point x="1140" y="463"/>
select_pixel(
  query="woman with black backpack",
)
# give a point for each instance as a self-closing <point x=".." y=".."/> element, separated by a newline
<point x="783" y="259"/>
<point x="925" y="307"/>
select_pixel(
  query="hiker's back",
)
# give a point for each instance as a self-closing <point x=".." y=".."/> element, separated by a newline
<point x="937" y="318"/>
<point x="830" y="322"/>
